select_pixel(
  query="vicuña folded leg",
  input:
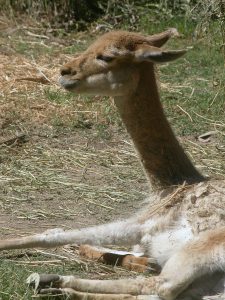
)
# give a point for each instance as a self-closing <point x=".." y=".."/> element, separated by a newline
<point x="202" y="256"/>
<point x="129" y="260"/>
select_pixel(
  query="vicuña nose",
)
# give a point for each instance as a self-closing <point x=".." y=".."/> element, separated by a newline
<point x="66" y="71"/>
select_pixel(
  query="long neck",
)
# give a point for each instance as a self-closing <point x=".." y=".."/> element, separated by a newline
<point x="162" y="157"/>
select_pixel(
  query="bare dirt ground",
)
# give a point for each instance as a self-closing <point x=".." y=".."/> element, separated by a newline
<point x="70" y="185"/>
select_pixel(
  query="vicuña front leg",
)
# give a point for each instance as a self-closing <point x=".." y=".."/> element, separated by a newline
<point x="70" y="294"/>
<point x="95" y="289"/>
<point x="126" y="232"/>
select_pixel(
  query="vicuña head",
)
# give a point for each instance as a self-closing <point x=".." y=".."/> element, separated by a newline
<point x="121" y="64"/>
<point x="111" y="65"/>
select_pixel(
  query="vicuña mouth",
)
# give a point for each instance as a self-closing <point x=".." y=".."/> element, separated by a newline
<point x="67" y="83"/>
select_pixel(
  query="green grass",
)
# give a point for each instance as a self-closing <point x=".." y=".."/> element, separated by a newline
<point x="58" y="96"/>
<point x="32" y="48"/>
<point x="14" y="271"/>
<point x="75" y="48"/>
<point x="200" y="75"/>
<point x="17" y="268"/>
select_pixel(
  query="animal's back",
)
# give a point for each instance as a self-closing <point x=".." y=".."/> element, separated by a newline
<point x="202" y="205"/>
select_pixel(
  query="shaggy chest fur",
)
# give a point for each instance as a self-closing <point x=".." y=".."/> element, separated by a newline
<point x="180" y="217"/>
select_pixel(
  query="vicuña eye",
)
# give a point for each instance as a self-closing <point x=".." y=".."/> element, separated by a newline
<point x="105" y="58"/>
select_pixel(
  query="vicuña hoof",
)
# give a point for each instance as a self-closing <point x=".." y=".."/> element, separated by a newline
<point x="43" y="281"/>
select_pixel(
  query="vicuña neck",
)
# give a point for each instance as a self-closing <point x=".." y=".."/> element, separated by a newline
<point x="161" y="155"/>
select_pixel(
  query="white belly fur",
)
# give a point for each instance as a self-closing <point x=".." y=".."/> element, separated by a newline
<point x="164" y="245"/>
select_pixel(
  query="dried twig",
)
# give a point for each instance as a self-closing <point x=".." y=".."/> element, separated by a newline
<point x="12" y="141"/>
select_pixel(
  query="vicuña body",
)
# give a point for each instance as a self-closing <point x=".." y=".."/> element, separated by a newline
<point x="183" y="227"/>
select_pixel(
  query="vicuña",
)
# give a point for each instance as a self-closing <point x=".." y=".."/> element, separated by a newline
<point x="183" y="226"/>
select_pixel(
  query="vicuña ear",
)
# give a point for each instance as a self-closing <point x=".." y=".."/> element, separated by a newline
<point x="159" y="39"/>
<point x="156" y="55"/>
